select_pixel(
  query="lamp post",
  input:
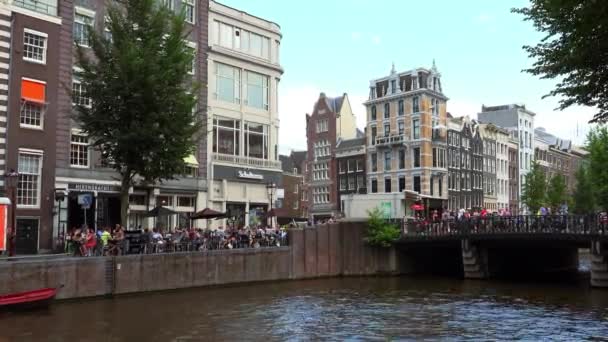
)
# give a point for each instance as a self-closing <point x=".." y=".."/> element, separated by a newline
<point x="270" y="188"/>
<point x="12" y="178"/>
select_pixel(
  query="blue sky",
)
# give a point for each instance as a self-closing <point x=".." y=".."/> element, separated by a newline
<point x="338" y="46"/>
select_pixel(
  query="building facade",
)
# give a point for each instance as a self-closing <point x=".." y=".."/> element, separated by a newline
<point x="289" y="207"/>
<point x="29" y="83"/>
<point x="502" y="168"/>
<point x="512" y="146"/>
<point x="243" y="116"/>
<point x="518" y="119"/>
<point x="488" y="135"/>
<point x="350" y="155"/>
<point x="332" y="119"/>
<point x="465" y="162"/>
<point x="406" y="135"/>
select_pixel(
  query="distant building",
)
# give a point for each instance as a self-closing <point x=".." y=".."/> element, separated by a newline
<point x="488" y="134"/>
<point x="513" y="153"/>
<point x="465" y="160"/>
<point x="290" y="207"/>
<point x="332" y="119"/>
<point x="406" y="135"/>
<point x="517" y="119"/>
<point x="351" y="176"/>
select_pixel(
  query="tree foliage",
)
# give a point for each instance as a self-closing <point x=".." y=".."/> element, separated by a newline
<point x="583" y="198"/>
<point x="142" y="96"/>
<point x="534" y="188"/>
<point x="597" y="146"/>
<point x="556" y="192"/>
<point x="573" y="50"/>
<point x="379" y="232"/>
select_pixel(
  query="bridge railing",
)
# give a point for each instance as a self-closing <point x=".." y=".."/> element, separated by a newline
<point x="523" y="224"/>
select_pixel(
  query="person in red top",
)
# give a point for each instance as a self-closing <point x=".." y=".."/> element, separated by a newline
<point x="91" y="241"/>
<point x="484" y="212"/>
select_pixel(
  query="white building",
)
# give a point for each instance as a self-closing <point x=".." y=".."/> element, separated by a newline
<point x="243" y="119"/>
<point x="520" y="121"/>
<point x="502" y="168"/>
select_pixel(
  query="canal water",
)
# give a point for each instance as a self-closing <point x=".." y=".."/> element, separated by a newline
<point x="399" y="308"/>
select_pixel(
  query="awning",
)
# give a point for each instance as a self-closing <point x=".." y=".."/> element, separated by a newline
<point x="33" y="91"/>
<point x="191" y="160"/>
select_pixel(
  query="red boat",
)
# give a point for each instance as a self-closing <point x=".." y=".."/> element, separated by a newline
<point x="40" y="297"/>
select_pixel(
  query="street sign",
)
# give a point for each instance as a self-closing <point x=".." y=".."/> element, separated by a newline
<point x="85" y="200"/>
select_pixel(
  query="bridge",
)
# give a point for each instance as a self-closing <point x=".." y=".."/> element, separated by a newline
<point x="495" y="246"/>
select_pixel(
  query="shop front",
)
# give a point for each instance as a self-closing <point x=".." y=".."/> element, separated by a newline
<point x="101" y="210"/>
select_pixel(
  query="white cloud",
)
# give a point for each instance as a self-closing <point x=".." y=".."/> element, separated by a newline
<point x="376" y="40"/>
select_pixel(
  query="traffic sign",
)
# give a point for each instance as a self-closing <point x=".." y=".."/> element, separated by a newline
<point x="85" y="200"/>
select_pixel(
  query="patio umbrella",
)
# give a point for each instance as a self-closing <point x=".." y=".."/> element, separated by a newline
<point x="208" y="214"/>
<point x="160" y="211"/>
<point x="417" y="207"/>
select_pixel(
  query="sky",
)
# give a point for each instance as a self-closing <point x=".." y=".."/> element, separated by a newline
<point x="338" y="46"/>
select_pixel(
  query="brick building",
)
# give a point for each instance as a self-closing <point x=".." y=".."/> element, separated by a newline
<point x="513" y="151"/>
<point x="291" y="206"/>
<point x="331" y="119"/>
<point x="351" y="176"/>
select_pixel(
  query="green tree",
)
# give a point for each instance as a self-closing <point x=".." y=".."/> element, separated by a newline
<point x="379" y="232"/>
<point x="556" y="192"/>
<point x="597" y="146"/>
<point x="584" y="203"/>
<point x="141" y="115"/>
<point x="573" y="50"/>
<point x="534" y="188"/>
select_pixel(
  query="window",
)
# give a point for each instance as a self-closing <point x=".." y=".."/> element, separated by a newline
<point x="81" y="23"/>
<point x="169" y="4"/>
<point x="373" y="110"/>
<point x="183" y="201"/>
<point x="359" y="165"/>
<point x="374" y="186"/>
<point x="416" y="129"/>
<point x="401" y="159"/>
<point x="165" y="201"/>
<point x="440" y="186"/>
<point x="401" y="183"/>
<point x="387" y="185"/>
<point x="387" y="160"/>
<point x="226" y="136"/>
<point x="415" y="104"/>
<point x="401" y="127"/>
<point x="387" y="130"/>
<point x="322" y="126"/>
<point x="352" y="183"/>
<point x="34" y="46"/>
<point x="42" y="6"/>
<point x="322" y="148"/>
<point x="387" y="110"/>
<point x="343" y="184"/>
<point x="342" y="166"/>
<point x="79" y="94"/>
<point x="320" y="195"/>
<point x="320" y="171"/>
<point x="351" y="166"/>
<point x="416" y="157"/>
<point x="31" y="115"/>
<point x="256" y="140"/>
<point x="374" y="162"/>
<point x="393" y="86"/>
<point x="190" y="10"/>
<point x="401" y="109"/>
<point x="192" y="47"/>
<point x="228" y="83"/>
<point x="417" y="184"/>
<point x="435" y="107"/>
<point x="432" y="184"/>
<point x="257" y="90"/>
<point x="29" y="166"/>
<point x="79" y="150"/>
<point x="373" y="135"/>
<point x="137" y="199"/>
<point x="360" y="182"/>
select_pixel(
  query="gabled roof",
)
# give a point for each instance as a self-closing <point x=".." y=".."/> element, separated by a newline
<point x="292" y="161"/>
<point x="551" y="140"/>
<point x="298" y="157"/>
<point x="286" y="163"/>
<point x="360" y="133"/>
<point x="350" y="143"/>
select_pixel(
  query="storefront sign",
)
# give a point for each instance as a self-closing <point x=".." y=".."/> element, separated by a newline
<point x="93" y="187"/>
<point x="249" y="175"/>
<point x="4" y="203"/>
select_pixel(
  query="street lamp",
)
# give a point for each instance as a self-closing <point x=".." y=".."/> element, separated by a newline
<point x="270" y="189"/>
<point x="12" y="179"/>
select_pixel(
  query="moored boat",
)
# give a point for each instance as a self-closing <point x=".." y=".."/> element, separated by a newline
<point x="28" y="299"/>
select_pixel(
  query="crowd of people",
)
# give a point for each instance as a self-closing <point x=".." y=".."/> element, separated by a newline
<point x="118" y="241"/>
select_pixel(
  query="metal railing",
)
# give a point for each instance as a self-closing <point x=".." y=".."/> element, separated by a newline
<point x="499" y="225"/>
<point x="246" y="161"/>
<point x="390" y="139"/>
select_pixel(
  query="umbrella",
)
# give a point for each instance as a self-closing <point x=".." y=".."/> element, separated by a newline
<point x="160" y="211"/>
<point x="417" y="207"/>
<point x="208" y="214"/>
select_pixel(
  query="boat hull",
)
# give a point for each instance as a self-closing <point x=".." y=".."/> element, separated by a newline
<point x="28" y="300"/>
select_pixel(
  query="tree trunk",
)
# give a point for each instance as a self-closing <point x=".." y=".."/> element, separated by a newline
<point x="124" y="200"/>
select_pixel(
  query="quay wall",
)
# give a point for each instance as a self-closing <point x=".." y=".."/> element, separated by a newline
<point x="322" y="251"/>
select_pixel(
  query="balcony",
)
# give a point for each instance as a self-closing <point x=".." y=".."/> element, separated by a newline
<point x="393" y="139"/>
<point x="41" y="6"/>
<point x="246" y="161"/>
<point x="439" y="135"/>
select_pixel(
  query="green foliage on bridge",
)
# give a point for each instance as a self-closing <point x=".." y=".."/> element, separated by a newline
<point x="379" y="232"/>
